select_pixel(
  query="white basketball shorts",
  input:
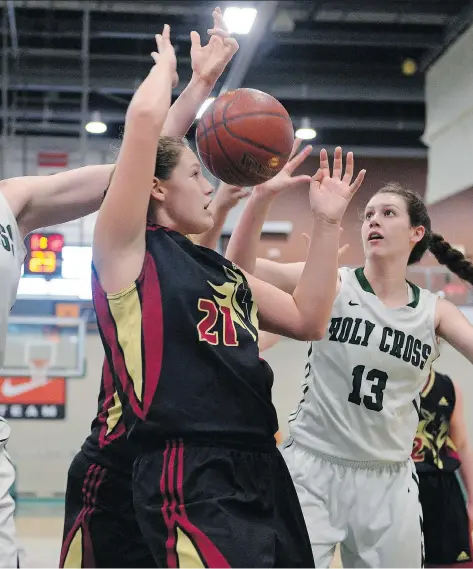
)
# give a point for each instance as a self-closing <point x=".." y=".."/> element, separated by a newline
<point x="371" y="509"/>
<point x="8" y="541"/>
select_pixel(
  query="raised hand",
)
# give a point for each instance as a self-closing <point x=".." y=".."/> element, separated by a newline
<point x="285" y="180"/>
<point x="166" y="53"/>
<point x="228" y="196"/>
<point x="209" y="62"/>
<point x="330" y="194"/>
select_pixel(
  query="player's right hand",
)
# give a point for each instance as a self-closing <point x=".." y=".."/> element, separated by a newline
<point x="166" y="55"/>
<point x="285" y="180"/>
<point x="330" y="193"/>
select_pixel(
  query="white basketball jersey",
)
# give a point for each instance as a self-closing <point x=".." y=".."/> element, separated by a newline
<point x="363" y="379"/>
<point x="12" y="255"/>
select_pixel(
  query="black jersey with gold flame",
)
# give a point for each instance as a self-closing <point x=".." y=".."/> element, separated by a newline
<point x="433" y="449"/>
<point x="182" y="346"/>
<point x="107" y="443"/>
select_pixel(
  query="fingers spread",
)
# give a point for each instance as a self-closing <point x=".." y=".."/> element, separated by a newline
<point x="295" y="147"/>
<point x="219" y="22"/>
<point x="358" y="181"/>
<point x="349" y="166"/>
<point x="218" y="32"/>
<point x="297" y="160"/>
<point x="166" y="32"/>
<point x="195" y="39"/>
<point x="318" y="176"/>
<point x="338" y="163"/>
<point x="232" y="45"/>
<point x="324" y="163"/>
<point x="296" y="180"/>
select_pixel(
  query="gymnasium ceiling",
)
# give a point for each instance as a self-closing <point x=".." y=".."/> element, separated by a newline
<point x="337" y="62"/>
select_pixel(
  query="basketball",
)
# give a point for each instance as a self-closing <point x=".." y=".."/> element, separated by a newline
<point x="245" y="137"/>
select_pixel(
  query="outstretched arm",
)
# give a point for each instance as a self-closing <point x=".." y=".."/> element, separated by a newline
<point x="245" y="237"/>
<point x="119" y="235"/>
<point x="39" y="201"/>
<point x="453" y="326"/>
<point x="208" y="64"/>
<point x="304" y="315"/>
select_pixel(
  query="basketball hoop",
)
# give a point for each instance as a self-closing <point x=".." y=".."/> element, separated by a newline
<point x="39" y="369"/>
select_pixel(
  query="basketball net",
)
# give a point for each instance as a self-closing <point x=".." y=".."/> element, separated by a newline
<point x="39" y="370"/>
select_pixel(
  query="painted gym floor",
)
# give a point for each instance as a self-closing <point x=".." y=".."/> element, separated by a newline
<point x="39" y="526"/>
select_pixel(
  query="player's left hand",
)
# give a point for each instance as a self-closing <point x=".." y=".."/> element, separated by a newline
<point x="210" y="61"/>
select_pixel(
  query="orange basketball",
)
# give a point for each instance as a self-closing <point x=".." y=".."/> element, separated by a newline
<point x="245" y="137"/>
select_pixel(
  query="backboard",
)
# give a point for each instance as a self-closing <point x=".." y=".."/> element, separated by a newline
<point x="56" y="345"/>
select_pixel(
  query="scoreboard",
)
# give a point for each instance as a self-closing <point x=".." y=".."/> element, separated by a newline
<point x="44" y="255"/>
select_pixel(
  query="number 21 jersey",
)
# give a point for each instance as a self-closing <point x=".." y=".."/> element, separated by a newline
<point x="363" y="379"/>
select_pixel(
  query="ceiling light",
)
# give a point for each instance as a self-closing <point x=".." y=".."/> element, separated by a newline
<point x="306" y="132"/>
<point x="204" y="107"/>
<point x="96" y="125"/>
<point x="239" y="20"/>
<point x="409" y="67"/>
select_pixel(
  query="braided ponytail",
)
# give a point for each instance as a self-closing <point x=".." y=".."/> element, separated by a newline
<point x="450" y="257"/>
<point x="435" y="243"/>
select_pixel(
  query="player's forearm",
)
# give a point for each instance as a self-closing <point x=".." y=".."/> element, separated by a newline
<point x="243" y="245"/>
<point x="315" y="292"/>
<point x="183" y="112"/>
<point x="465" y="454"/>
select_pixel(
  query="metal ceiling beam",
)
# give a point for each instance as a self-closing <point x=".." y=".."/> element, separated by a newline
<point x="319" y="122"/>
<point x="309" y="87"/>
<point x="345" y="37"/>
<point x="454" y="30"/>
<point x="399" y="40"/>
<point x="180" y="8"/>
<point x="46" y="53"/>
<point x="244" y="57"/>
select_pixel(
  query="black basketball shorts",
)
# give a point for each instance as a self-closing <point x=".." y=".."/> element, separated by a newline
<point x="100" y="527"/>
<point x="208" y="506"/>
<point x="446" y="525"/>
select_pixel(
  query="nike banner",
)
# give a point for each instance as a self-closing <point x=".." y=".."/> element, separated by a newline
<point x="26" y="398"/>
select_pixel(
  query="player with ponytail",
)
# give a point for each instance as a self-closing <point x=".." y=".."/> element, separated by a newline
<point x="351" y="434"/>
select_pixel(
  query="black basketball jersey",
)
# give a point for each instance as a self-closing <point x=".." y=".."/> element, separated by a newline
<point x="182" y="346"/>
<point x="107" y="444"/>
<point x="433" y="449"/>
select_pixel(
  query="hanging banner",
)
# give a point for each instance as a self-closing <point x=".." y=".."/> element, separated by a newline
<point x="27" y="398"/>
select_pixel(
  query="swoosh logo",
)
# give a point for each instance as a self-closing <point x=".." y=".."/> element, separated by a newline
<point x="10" y="389"/>
<point x="351" y="303"/>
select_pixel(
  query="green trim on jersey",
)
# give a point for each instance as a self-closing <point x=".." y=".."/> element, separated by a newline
<point x="365" y="285"/>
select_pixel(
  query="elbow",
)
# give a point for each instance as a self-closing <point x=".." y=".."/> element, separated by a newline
<point x="311" y="333"/>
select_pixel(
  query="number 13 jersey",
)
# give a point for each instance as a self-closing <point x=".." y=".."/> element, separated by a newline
<point x="363" y="379"/>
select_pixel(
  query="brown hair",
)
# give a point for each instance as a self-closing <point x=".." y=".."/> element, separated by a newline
<point x="441" y="249"/>
<point x="167" y="157"/>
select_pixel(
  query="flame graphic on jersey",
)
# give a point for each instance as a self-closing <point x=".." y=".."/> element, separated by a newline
<point x="429" y="440"/>
<point x="226" y="298"/>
